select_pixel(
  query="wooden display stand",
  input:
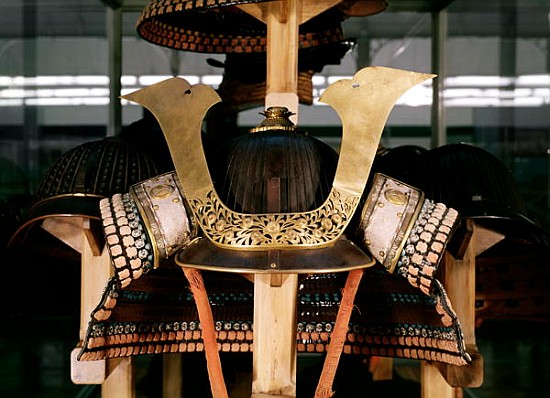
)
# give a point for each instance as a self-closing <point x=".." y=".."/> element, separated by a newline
<point x="459" y="280"/>
<point x="85" y="236"/>
<point x="440" y="380"/>
<point x="277" y="303"/>
<point x="274" y="355"/>
<point x="116" y="376"/>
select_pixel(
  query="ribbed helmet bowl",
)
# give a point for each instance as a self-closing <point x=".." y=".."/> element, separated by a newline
<point x="478" y="185"/>
<point x="75" y="183"/>
<point x="275" y="159"/>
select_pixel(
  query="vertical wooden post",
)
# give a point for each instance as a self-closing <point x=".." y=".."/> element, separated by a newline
<point x="274" y="360"/>
<point x="274" y="355"/>
<point x="432" y="384"/>
<point x="77" y="232"/>
<point x="120" y="379"/>
<point x="114" y="375"/>
<point x="96" y="271"/>
<point x="282" y="21"/>
<point x="381" y="368"/>
<point x="94" y="275"/>
<point x="172" y="385"/>
<point x="459" y="281"/>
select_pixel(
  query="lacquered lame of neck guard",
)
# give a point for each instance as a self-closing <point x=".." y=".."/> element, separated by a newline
<point x="363" y="104"/>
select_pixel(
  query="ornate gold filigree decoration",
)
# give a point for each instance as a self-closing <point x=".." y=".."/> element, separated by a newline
<point x="274" y="230"/>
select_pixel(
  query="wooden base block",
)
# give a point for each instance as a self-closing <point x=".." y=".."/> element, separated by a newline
<point x="86" y="372"/>
<point x="464" y="376"/>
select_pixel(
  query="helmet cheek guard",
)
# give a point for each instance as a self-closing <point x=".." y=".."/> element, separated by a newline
<point x="146" y="226"/>
<point x="415" y="230"/>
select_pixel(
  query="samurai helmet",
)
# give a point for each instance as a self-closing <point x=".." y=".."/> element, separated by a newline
<point x="478" y="184"/>
<point x="75" y="183"/>
<point x="275" y="227"/>
<point x="235" y="26"/>
<point x="257" y="216"/>
<point x="276" y="200"/>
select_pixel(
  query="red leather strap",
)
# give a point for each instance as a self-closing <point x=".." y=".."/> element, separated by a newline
<point x="334" y="351"/>
<point x="338" y="335"/>
<point x="213" y="362"/>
